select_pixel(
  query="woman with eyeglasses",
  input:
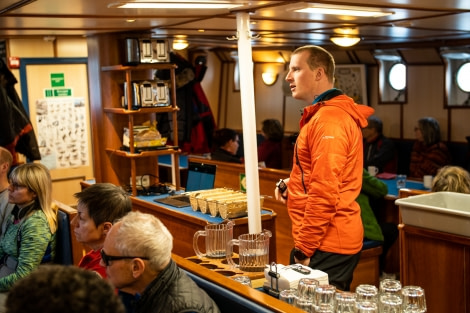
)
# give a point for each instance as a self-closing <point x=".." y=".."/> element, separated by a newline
<point x="29" y="238"/>
<point x="429" y="153"/>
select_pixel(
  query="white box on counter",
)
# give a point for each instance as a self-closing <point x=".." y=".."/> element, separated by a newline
<point x="442" y="211"/>
<point x="289" y="276"/>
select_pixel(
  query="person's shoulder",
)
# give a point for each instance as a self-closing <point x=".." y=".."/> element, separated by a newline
<point x="36" y="215"/>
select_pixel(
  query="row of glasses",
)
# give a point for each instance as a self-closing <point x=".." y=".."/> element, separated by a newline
<point x="312" y="297"/>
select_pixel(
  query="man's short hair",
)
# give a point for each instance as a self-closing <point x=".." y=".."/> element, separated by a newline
<point x="105" y="202"/>
<point x="319" y="57"/>
<point x="59" y="289"/>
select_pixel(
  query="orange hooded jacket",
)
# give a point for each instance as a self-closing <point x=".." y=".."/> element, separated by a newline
<point x="326" y="177"/>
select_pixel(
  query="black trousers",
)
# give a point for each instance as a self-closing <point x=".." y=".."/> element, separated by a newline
<point x="339" y="267"/>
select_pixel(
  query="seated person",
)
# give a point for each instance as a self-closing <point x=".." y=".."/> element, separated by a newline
<point x="6" y="160"/>
<point x="59" y="288"/>
<point x="225" y="146"/>
<point x="429" y="153"/>
<point x="137" y="256"/>
<point x="30" y="235"/>
<point x="375" y="189"/>
<point x="452" y="178"/>
<point x="270" y="150"/>
<point x="99" y="205"/>
<point x="379" y="151"/>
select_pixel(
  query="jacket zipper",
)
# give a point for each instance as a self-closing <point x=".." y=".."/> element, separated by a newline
<point x="300" y="167"/>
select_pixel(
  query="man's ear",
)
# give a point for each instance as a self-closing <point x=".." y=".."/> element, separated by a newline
<point x="138" y="267"/>
<point x="320" y="72"/>
<point x="106" y="227"/>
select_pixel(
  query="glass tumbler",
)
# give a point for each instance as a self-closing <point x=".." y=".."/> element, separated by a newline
<point x="366" y="307"/>
<point x="345" y="302"/>
<point x="366" y="292"/>
<point x="401" y="181"/>
<point x="390" y="286"/>
<point x="243" y="279"/>
<point x="306" y="288"/>
<point x="306" y="294"/>
<point x="414" y="300"/>
<point x="325" y="297"/>
<point x="390" y="303"/>
<point x="288" y="295"/>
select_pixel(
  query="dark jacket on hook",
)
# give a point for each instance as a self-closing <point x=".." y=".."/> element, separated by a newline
<point x="16" y="131"/>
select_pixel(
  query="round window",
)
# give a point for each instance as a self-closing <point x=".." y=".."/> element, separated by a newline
<point x="463" y="77"/>
<point x="397" y="76"/>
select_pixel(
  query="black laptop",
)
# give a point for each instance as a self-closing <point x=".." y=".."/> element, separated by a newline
<point x="201" y="176"/>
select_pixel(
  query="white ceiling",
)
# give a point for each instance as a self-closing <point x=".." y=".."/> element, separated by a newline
<point x="415" y="23"/>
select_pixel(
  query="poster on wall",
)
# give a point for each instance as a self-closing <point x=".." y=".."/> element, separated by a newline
<point x="351" y="79"/>
<point x="63" y="139"/>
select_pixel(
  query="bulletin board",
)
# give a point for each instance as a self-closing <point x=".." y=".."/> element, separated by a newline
<point x="55" y="95"/>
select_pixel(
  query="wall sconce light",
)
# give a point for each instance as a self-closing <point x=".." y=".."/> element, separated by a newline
<point x="269" y="78"/>
<point x="345" y="41"/>
<point x="180" y="44"/>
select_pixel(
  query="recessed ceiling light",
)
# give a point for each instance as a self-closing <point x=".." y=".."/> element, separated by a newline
<point x="344" y="10"/>
<point x="176" y="5"/>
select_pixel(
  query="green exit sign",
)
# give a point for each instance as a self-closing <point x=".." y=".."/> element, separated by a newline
<point x="57" y="80"/>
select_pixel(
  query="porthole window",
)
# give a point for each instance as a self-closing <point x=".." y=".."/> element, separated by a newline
<point x="463" y="77"/>
<point x="397" y="76"/>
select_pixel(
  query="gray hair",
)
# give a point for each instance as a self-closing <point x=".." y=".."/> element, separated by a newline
<point x="144" y="235"/>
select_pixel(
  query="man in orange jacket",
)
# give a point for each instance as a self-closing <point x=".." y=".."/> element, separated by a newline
<point x="326" y="176"/>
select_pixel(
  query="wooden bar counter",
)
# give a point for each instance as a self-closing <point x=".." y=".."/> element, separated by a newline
<point x="183" y="223"/>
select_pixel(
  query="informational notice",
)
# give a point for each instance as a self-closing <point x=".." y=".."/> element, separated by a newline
<point x="63" y="135"/>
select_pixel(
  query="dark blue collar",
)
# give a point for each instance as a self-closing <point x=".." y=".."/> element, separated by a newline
<point x="327" y="95"/>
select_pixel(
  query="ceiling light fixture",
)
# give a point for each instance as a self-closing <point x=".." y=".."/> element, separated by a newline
<point x="344" y="10"/>
<point x="180" y="44"/>
<point x="345" y="41"/>
<point x="176" y="5"/>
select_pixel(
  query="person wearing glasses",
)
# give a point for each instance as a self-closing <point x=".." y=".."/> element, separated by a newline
<point x="6" y="159"/>
<point x="137" y="257"/>
<point x="429" y="153"/>
<point x="30" y="235"/>
<point x="99" y="205"/>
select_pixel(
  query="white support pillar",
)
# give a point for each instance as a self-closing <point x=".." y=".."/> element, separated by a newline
<point x="249" y="122"/>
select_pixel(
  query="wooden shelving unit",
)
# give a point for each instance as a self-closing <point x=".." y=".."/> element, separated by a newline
<point x="106" y="76"/>
<point x="112" y="108"/>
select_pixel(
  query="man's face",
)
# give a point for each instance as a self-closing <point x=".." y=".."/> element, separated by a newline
<point x="302" y="80"/>
<point x="118" y="272"/>
<point x="85" y="229"/>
